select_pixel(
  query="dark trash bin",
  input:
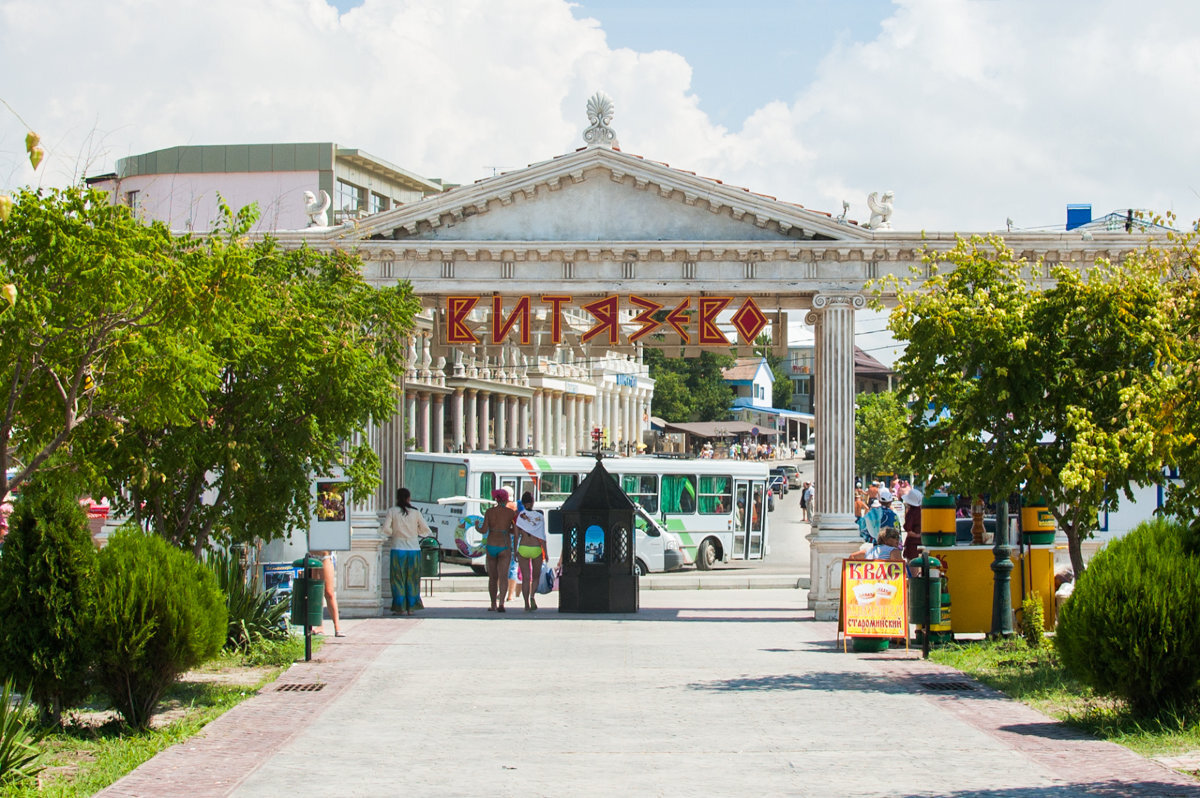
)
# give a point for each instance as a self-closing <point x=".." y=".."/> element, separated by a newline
<point x="431" y="557"/>
<point x="308" y="593"/>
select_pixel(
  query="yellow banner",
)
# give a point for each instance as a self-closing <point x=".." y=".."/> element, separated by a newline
<point x="874" y="598"/>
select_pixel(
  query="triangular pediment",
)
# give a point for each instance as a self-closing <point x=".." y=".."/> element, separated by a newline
<point x="598" y="194"/>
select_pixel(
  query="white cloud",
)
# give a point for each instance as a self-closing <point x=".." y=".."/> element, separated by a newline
<point x="969" y="111"/>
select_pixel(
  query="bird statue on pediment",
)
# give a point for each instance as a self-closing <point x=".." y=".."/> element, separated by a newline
<point x="318" y="212"/>
<point x="881" y="210"/>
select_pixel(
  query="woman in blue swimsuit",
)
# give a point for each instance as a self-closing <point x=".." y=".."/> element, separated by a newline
<point x="498" y="527"/>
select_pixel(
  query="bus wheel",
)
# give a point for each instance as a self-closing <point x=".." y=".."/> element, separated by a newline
<point x="480" y="570"/>
<point x="706" y="555"/>
<point x="640" y="568"/>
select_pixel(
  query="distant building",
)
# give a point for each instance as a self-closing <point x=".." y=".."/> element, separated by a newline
<point x="753" y="383"/>
<point x="181" y="186"/>
<point x="870" y="376"/>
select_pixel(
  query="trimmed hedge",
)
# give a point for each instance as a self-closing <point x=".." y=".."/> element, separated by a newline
<point x="1132" y="625"/>
<point x="47" y="599"/>
<point x="159" y="613"/>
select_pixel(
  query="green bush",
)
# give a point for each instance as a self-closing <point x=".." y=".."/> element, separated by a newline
<point x="1130" y="627"/>
<point x="1033" y="620"/>
<point x="255" y="615"/>
<point x="47" y="598"/>
<point x="159" y="613"/>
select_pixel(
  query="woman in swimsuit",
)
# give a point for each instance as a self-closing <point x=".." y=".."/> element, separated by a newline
<point x="498" y="526"/>
<point x="531" y="536"/>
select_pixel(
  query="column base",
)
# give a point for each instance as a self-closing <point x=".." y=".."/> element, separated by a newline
<point x="362" y="571"/>
<point x="834" y="537"/>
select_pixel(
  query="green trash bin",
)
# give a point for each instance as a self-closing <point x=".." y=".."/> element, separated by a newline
<point x="431" y="557"/>
<point x="308" y="594"/>
<point x="925" y="595"/>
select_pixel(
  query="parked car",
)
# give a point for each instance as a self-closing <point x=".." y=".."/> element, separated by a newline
<point x="793" y="475"/>
<point x="779" y="481"/>
<point x="810" y="450"/>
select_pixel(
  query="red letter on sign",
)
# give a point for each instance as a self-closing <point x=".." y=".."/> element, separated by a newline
<point x="556" y="303"/>
<point x="643" y="318"/>
<point x="605" y="311"/>
<point x="710" y="306"/>
<point x="457" y="310"/>
<point x="678" y="318"/>
<point x="520" y="312"/>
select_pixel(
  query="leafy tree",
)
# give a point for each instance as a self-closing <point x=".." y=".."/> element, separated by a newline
<point x="690" y="389"/>
<point x="316" y="355"/>
<point x="879" y="423"/>
<point x="47" y="598"/>
<point x="159" y="612"/>
<point x="1023" y="387"/>
<point x="111" y="325"/>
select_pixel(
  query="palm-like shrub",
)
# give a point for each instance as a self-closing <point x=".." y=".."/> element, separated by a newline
<point x="254" y="615"/>
<point x="1130" y="627"/>
<point x="19" y="738"/>
<point x="159" y="613"/>
<point x="47" y="598"/>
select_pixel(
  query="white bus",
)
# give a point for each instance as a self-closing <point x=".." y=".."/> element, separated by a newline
<point x="717" y="508"/>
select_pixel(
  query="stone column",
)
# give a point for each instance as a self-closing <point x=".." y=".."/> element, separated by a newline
<point x="456" y="419"/>
<point x="557" y="420"/>
<point x="593" y="416"/>
<point x="834" y="530"/>
<point x="614" y="418"/>
<point x="471" y="420"/>
<point x="569" y="423"/>
<point x="582" y="431"/>
<point x="501" y="417"/>
<point x="485" y="413"/>
<point x="514" y="421"/>
<point x="410" y="416"/>
<point x="423" y="422"/>
<point x="438" y="425"/>
<point x="524" y="441"/>
<point x="536" y="414"/>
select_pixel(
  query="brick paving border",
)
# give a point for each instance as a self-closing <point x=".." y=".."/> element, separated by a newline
<point x="226" y="751"/>
<point x="1073" y="757"/>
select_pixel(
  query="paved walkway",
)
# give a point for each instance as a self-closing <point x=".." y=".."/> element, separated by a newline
<point x="702" y="692"/>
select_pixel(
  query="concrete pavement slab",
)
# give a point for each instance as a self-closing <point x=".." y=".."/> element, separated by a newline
<point x="703" y="692"/>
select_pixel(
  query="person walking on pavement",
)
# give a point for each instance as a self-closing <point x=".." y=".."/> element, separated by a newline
<point x="404" y="527"/>
<point x="531" y="540"/>
<point x="806" y="501"/>
<point x="498" y="524"/>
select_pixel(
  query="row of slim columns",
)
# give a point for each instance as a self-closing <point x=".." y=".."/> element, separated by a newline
<point x="549" y="421"/>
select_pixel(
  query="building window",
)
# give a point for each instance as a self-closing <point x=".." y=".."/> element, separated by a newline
<point x="132" y="200"/>
<point x="379" y="203"/>
<point x="349" y="196"/>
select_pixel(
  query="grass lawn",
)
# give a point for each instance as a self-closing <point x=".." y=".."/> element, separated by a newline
<point x="1034" y="677"/>
<point x="94" y="748"/>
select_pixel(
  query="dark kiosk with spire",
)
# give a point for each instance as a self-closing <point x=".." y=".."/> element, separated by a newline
<point x="597" y="559"/>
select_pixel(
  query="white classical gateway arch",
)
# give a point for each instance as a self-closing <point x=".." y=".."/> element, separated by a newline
<point x="568" y="252"/>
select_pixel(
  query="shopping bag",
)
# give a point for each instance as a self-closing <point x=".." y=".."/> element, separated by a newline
<point x="546" y="581"/>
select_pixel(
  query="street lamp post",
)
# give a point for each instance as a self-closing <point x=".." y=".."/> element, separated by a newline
<point x="1002" y="566"/>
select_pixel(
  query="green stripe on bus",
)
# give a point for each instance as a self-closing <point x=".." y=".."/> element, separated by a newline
<point x="541" y="464"/>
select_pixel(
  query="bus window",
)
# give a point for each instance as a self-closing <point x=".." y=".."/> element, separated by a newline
<point x="487" y="484"/>
<point x="556" y="487"/>
<point x="679" y="493"/>
<point x="714" y="495"/>
<point x="641" y="488"/>
<point x="449" y="479"/>
<point x="418" y="478"/>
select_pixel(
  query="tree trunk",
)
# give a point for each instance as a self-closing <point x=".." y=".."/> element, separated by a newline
<point x="1075" y="549"/>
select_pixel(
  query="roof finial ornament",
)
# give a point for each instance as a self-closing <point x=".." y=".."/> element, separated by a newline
<point x="600" y="113"/>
